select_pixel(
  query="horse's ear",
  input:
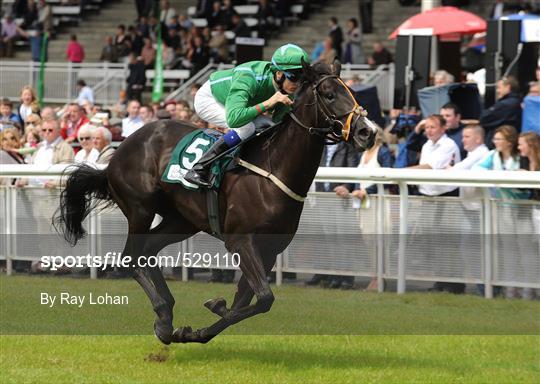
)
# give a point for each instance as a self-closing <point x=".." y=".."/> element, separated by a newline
<point x="308" y="71"/>
<point x="336" y="66"/>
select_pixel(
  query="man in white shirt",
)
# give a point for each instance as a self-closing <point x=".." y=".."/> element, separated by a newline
<point x="85" y="93"/>
<point x="437" y="153"/>
<point x="52" y="150"/>
<point x="473" y="143"/>
<point x="133" y="121"/>
<point x="166" y="11"/>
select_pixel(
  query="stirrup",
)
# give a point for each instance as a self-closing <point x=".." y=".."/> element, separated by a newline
<point x="201" y="171"/>
<point x="198" y="177"/>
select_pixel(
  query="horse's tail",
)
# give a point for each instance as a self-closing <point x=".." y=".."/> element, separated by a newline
<point x="84" y="187"/>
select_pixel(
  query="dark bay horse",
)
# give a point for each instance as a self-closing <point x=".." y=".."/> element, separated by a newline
<point x="258" y="220"/>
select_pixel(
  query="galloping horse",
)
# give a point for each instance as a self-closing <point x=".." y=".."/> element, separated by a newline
<point x="252" y="208"/>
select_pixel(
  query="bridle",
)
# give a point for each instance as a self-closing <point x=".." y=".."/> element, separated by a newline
<point x="336" y="130"/>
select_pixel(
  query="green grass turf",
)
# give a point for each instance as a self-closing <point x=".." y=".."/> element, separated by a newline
<point x="271" y="359"/>
<point x="384" y="338"/>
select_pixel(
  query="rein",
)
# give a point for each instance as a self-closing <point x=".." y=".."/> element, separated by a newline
<point x="336" y="130"/>
<point x="330" y="133"/>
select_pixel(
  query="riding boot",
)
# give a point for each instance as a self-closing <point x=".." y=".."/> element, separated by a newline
<point x="200" y="172"/>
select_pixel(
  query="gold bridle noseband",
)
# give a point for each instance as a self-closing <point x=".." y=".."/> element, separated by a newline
<point x="336" y="130"/>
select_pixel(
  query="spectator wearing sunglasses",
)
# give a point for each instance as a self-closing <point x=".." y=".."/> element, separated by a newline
<point x="87" y="154"/>
<point x="52" y="150"/>
<point x="235" y="100"/>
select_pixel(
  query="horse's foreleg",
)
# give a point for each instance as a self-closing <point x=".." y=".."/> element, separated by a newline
<point x="242" y="297"/>
<point x="204" y="335"/>
<point x="253" y="282"/>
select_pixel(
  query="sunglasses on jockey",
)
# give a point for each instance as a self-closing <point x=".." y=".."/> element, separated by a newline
<point x="293" y="76"/>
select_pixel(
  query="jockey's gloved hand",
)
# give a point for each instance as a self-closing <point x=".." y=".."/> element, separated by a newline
<point x="277" y="97"/>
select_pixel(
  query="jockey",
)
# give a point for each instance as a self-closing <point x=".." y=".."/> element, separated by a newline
<point x="235" y="98"/>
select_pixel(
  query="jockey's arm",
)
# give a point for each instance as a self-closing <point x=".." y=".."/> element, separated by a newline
<point x="239" y="111"/>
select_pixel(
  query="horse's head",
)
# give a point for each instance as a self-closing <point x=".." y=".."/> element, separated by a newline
<point x="337" y="115"/>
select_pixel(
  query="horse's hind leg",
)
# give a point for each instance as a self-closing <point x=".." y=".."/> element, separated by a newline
<point x="170" y="230"/>
<point x="139" y="226"/>
<point x="140" y="242"/>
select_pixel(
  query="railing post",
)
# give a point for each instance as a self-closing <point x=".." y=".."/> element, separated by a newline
<point x="279" y="269"/>
<point x="379" y="234"/>
<point x="10" y="230"/>
<point x="13" y="208"/>
<point x="70" y="75"/>
<point x="31" y="73"/>
<point x="106" y="70"/>
<point x="392" y="85"/>
<point x="488" y="250"/>
<point x="93" y="229"/>
<point x="186" y="248"/>
<point x="403" y="216"/>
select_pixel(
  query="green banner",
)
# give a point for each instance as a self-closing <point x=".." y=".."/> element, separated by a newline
<point x="42" y="59"/>
<point x="157" y="86"/>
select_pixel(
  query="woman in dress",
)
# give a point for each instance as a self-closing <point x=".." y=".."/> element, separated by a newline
<point x="29" y="104"/>
<point x="353" y="52"/>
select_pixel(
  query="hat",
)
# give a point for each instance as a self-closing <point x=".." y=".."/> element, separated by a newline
<point x="96" y="120"/>
<point x="289" y="57"/>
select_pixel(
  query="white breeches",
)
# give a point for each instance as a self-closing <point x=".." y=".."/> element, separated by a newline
<point x="213" y="112"/>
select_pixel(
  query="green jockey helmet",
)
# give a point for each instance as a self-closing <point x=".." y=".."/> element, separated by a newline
<point x="289" y="57"/>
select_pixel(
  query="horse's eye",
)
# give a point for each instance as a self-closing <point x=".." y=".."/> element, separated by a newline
<point x="330" y="96"/>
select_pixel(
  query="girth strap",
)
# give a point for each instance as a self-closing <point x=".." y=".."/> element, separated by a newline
<point x="272" y="178"/>
<point x="212" y="204"/>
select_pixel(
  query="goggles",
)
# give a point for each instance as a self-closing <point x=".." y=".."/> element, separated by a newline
<point x="293" y="76"/>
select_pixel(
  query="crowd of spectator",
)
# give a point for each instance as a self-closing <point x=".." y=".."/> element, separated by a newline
<point x="88" y="129"/>
<point x="443" y="141"/>
<point x="81" y="131"/>
<point x="438" y="141"/>
<point x="347" y="46"/>
<point x="28" y="20"/>
<point x="184" y="44"/>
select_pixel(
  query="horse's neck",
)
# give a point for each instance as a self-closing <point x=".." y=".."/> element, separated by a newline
<point x="294" y="156"/>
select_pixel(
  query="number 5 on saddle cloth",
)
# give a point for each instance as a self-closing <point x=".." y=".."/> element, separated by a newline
<point x="193" y="146"/>
<point x="189" y="150"/>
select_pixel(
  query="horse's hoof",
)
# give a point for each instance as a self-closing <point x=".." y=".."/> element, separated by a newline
<point x="182" y="335"/>
<point x="163" y="333"/>
<point x="217" y="306"/>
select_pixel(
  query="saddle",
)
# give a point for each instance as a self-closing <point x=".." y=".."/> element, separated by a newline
<point x="193" y="146"/>
<point x="189" y="150"/>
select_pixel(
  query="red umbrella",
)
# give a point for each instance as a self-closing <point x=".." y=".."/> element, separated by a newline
<point x="444" y="20"/>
